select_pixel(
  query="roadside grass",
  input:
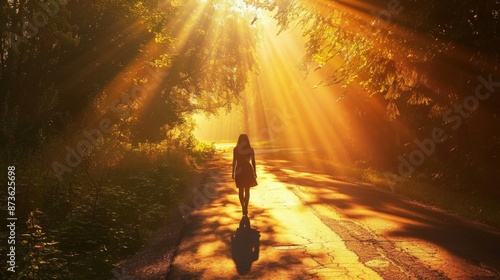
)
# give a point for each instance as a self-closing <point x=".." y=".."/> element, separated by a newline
<point x="473" y="205"/>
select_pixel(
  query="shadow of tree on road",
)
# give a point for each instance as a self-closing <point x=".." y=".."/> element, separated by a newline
<point x="474" y="243"/>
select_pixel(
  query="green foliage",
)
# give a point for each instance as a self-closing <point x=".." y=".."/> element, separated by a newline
<point x="64" y="73"/>
<point x="417" y="62"/>
<point x="40" y="258"/>
<point x="409" y="55"/>
<point x="208" y="66"/>
<point x="99" y="215"/>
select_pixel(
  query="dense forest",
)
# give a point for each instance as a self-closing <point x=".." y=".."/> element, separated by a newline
<point x="93" y="90"/>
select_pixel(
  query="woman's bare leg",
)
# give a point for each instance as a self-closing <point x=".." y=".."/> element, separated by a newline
<point x="242" y="199"/>
<point x="247" y="199"/>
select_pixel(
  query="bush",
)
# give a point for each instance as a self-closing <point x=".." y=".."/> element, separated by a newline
<point x="102" y="212"/>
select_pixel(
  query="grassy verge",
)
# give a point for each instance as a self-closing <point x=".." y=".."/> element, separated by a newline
<point x="472" y="205"/>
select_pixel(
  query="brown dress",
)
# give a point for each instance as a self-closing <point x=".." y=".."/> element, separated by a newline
<point x="244" y="175"/>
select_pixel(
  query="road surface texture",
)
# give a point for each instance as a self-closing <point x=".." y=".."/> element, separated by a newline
<point x="305" y="225"/>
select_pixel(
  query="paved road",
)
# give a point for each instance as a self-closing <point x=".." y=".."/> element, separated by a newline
<point x="309" y="225"/>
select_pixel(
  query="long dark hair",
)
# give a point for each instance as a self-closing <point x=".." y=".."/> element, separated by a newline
<point x="243" y="144"/>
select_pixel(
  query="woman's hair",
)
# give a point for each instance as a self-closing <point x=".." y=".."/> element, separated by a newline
<point x="243" y="141"/>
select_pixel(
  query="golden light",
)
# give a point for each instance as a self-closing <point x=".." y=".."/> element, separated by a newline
<point x="283" y="104"/>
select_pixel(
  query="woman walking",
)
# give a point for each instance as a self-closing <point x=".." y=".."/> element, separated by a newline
<point x="244" y="173"/>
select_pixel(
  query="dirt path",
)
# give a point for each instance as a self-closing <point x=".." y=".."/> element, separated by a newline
<point x="307" y="225"/>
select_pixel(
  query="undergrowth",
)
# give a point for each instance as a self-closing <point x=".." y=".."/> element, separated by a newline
<point x="99" y="214"/>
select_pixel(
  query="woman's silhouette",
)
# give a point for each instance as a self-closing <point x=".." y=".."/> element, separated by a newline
<point x="244" y="173"/>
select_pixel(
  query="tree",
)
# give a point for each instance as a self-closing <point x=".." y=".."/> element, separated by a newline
<point x="87" y="55"/>
<point x="421" y="58"/>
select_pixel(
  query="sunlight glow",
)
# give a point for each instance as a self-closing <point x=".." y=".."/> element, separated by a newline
<point x="283" y="103"/>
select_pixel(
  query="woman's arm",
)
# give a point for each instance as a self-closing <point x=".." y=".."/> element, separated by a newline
<point x="253" y="164"/>
<point x="234" y="165"/>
